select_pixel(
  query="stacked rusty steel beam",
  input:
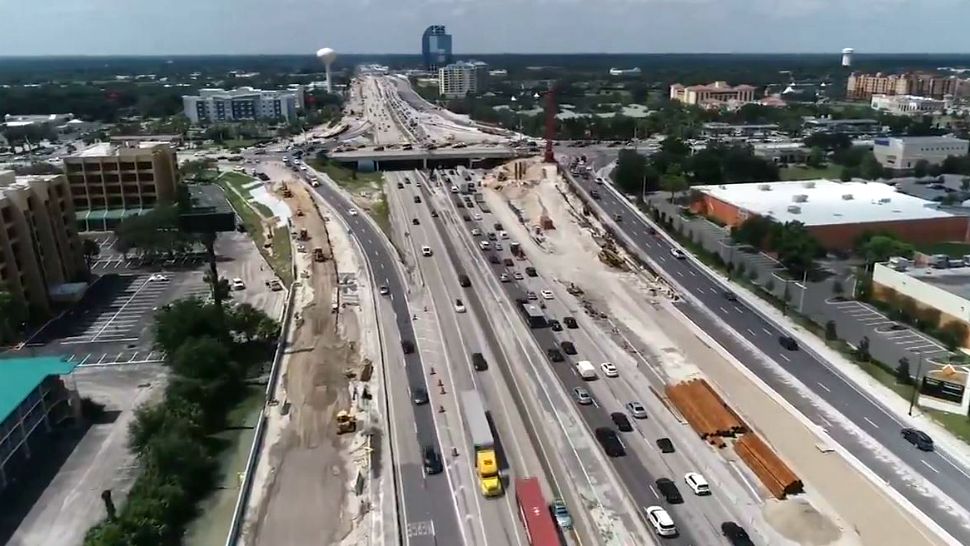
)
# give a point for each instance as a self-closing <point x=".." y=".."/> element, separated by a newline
<point x="705" y="410"/>
<point x="770" y="469"/>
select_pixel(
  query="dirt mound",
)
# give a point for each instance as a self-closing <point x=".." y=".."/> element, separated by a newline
<point x="799" y="521"/>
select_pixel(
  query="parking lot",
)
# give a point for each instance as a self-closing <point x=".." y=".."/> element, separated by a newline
<point x="902" y="336"/>
<point x="110" y="260"/>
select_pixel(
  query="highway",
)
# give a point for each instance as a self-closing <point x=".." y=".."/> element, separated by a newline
<point x="747" y="334"/>
<point x="427" y="508"/>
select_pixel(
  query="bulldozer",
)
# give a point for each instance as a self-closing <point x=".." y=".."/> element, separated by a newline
<point x="346" y="422"/>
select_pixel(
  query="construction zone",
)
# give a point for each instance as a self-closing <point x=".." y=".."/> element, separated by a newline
<point x="770" y="469"/>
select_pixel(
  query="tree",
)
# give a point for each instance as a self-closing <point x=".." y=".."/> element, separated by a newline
<point x="251" y="324"/>
<point x="830" y="332"/>
<point x="965" y="183"/>
<point x="816" y="158"/>
<point x="13" y="316"/>
<point x="91" y="250"/>
<point x="920" y="169"/>
<point x="203" y="357"/>
<point x="902" y="372"/>
<point x="845" y="175"/>
<point x="754" y="231"/>
<point x="862" y="351"/>
<point x="673" y="180"/>
<point x="879" y="248"/>
<point x="183" y="417"/>
<point x="953" y="334"/>
<point x="797" y="248"/>
<point x="183" y="320"/>
<point x="631" y="169"/>
<point x="870" y="168"/>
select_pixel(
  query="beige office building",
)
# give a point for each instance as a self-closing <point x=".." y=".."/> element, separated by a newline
<point x="112" y="181"/>
<point x="717" y="94"/>
<point x="40" y="251"/>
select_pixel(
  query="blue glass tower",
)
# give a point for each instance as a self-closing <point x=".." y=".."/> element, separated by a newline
<point x="435" y="47"/>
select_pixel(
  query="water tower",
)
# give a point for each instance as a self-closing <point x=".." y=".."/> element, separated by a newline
<point x="847" y="56"/>
<point x="327" y="56"/>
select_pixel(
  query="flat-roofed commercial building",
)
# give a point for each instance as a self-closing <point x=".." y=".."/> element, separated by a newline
<point x="111" y="181"/>
<point x="34" y="400"/>
<point x="40" y="250"/>
<point x="243" y="104"/>
<point x="903" y="153"/>
<point x="851" y="127"/>
<point x="907" y="105"/>
<point x="714" y="94"/>
<point x="836" y="213"/>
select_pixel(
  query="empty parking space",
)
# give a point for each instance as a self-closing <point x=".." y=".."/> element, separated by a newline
<point x="902" y="336"/>
<point x="115" y="358"/>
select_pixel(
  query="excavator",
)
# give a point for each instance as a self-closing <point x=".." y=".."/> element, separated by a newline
<point x="346" y="422"/>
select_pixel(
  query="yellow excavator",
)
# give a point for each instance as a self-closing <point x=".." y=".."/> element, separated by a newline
<point x="346" y="422"/>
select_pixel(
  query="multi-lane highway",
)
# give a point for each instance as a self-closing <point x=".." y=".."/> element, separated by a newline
<point x="748" y="335"/>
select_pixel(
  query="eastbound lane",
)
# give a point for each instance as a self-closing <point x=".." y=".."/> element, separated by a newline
<point x="741" y="329"/>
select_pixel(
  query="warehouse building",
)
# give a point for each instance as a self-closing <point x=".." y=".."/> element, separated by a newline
<point x="903" y="153"/>
<point x="34" y="400"/>
<point x="836" y="213"/>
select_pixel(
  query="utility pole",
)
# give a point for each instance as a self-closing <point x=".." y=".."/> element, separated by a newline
<point x="916" y="384"/>
<point x="801" y="301"/>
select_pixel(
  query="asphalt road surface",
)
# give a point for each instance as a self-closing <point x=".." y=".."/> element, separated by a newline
<point x="731" y="322"/>
<point x="428" y="511"/>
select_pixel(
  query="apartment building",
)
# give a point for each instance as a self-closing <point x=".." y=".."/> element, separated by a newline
<point x="715" y="94"/>
<point x="461" y="78"/>
<point x="863" y="86"/>
<point x="110" y="181"/>
<point x="40" y="250"/>
<point x="243" y="104"/>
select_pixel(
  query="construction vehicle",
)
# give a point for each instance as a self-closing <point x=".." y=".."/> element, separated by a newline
<point x="299" y="212"/>
<point x="346" y="422"/>
<point x="304" y="235"/>
<point x="318" y="255"/>
<point x="286" y="190"/>
<point x="486" y="461"/>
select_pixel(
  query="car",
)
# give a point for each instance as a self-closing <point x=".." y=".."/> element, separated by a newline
<point x="459" y="306"/>
<point x="555" y="355"/>
<point x="508" y="262"/>
<point x="568" y="347"/>
<point x="419" y="396"/>
<point x="611" y="443"/>
<point x="736" y="534"/>
<point x="466" y="217"/>
<point x="697" y="483"/>
<point x="561" y="513"/>
<point x="158" y="277"/>
<point x="546" y="294"/>
<point x="531" y="271"/>
<point x="477" y="216"/>
<point x="594" y="194"/>
<point x="238" y="284"/>
<point x="301" y="248"/>
<point x="570" y="323"/>
<point x="479" y="362"/>
<point x="384" y="290"/>
<point x="407" y="346"/>
<point x="582" y="396"/>
<point x="476" y="233"/>
<point x="493" y="258"/>
<point x="609" y="369"/>
<point x="400" y="186"/>
<point x="484" y="245"/>
<point x="498" y="245"/>
<point x="617" y="217"/>
<point x="637" y="410"/>
<point x="677" y="253"/>
<point x="661" y="521"/>
<point x="504" y="277"/>
<point x="730" y="296"/>
<point x="491" y="236"/>
<point x="503" y="235"/>
<point x="275" y="285"/>
<point x="434" y="213"/>
<point x="665" y="445"/>
<point x="531" y="296"/>
<point x="426" y="250"/>
<point x="918" y="438"/>
<point x="464" y="281"/>
<point x="432" y="460"/>
<point x="620" y="420"/>
<point x="352" y="212"/>
<point x="518" y="276"/>
<point x="788" y="342"/>
<point x="415" y="221"/>
<point x="669" y="490"/>
<point x="417" y="198"/>
<point x="454" y="189"/>
<point x="555" y="325"/>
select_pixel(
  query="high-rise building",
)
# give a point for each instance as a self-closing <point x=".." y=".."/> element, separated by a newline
<point x="111" y="181"/>
<point x="435" y="47"/>
<point x="244" y="103"/>
<point x="39" y="245"/>
<point x="864" y="86"/>
<point x="461" y="78"/>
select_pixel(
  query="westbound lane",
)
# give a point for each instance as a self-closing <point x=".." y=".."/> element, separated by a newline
<point x="745" y="332"/>
<point x="429" y="512"/>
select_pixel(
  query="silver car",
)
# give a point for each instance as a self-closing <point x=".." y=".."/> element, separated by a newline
<point x="637" y="410"/>
<point x="582" y="396"/>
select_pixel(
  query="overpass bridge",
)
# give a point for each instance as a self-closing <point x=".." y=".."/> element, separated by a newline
<point x="397" y="158"/>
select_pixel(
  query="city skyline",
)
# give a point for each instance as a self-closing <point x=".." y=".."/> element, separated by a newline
<point x="181" y="27"/>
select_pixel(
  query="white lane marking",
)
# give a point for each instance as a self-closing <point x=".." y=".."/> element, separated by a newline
<point x="928" y="465"/>
<point x="824" y="387"/>
<point x="766" y="331"/>
<point x="692" y="274"/>
<point x="738" y="309"/>
<point x="751" y="332"/>
<point x="723" y="310"/>
<point x="785" y="357"/>
<point x="870" y="422"/>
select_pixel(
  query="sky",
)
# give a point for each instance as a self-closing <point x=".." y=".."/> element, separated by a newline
<point x="187" y="27"/>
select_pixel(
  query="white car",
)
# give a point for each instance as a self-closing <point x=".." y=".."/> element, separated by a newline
<point x="426" y="250"/>
<point x="459" y="306"/>
<point x="609" y="369"/>
<point x="677" y="253"/>
<point x="238" y="284"/>
<point x="477" y="216"/>
<point x="301" y="247"/>
<point x="503" y="235"/>
<point x="157" y="277"/>
<point x="697" y="483"/>
<point x="546" y="294"/>
<point x="476" y="232"/>
<point x="518" y="276"/>
<point x="661" y="521"/>
<point x="384" y="290"/>
<point x="484" y="245"/>
<point x="454" y="189"/>
<point x="352" y="212"/>
<point x="503" y="277"/>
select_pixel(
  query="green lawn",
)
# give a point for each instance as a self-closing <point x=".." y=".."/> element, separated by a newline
<point x="348" y="178"/>
<point x="238" y="182"/>
<point x="800" y="172"/>
<point x="382" y="215"/>
<point x="280" y="259"/>
<point x="954" y="250"/>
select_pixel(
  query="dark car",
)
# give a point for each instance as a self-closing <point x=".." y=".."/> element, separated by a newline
<point x="531" y="271"/>
<point x="400" y="186"/>
<point x="497" y="226"/>
<point x="568" y="347"/>
<point x="434" y="213"/>
<point x="610" y="441"/>
<point x="494" y="259"/>
<point x="594" y="194"/>
<point x="432" y="460"/>
<point x="555" y="325"/>
<point x="464" y="281"/>
<point x="730" y="296"/>
<point x="466" y="217"/>
<point x="479" y="362"/>
<point x="669" y="490"/>
<point x="508" y="262"/>
<point x="419" y="396"/>
<point x="788" y="342"/>
<point x="918" y="438"/>
<point x="665" y="445"/>
<point x="621" y="421"/>
<point x="415" y="221"/>
<point x="555" y="355"/>
<point x="570" y="323"/>
<point x="417" y="198"/>
<point x="736" y="534"/>
<point x="407" y="346"/>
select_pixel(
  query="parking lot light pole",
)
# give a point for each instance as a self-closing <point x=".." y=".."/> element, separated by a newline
<point x="912" y="399"/>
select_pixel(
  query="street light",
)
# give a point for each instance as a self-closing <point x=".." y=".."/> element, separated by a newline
<point x="912" y="399"/>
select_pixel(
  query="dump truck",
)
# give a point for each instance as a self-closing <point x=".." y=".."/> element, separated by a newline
<point x="486" y="461"/>
<point x="318" y="255"/>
